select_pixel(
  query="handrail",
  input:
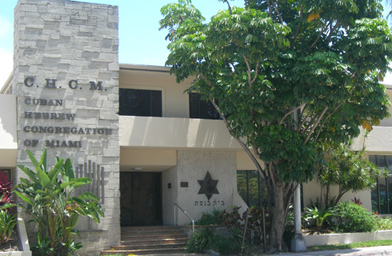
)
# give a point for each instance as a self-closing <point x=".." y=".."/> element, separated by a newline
<point x="176" y="219"/>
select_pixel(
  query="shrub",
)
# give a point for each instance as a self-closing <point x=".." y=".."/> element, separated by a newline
<point x="200" y="241"/>
<point x="350" y="217"/>
<point x="235" y="223"/>
<point x="53" y="207"/>
<point x="226" y="245"/>
<point x="6" y="201"/>
<point x="210" y="218"/>
<point x="7" y="224"/>
<point x="7" y="213"/>
<point x="316" y="217"/>
<point x="383" y="223"/>
<point x="205" y="239"/>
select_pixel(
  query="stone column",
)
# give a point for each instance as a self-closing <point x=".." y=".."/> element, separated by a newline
<point x="66" y="82"/>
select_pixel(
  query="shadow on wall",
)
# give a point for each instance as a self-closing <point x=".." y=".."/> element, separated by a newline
<point x="175" y="133"/>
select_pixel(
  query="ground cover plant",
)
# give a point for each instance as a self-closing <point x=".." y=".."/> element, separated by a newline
<point x="346" y="217"/>
<point x="349" y="246"/>
<point x="209" y="218"/>
<point x="52" y="205"/>
<point x="205" y="239"/>
<point x="286" y="76"/>
<point x="7" y="213"/>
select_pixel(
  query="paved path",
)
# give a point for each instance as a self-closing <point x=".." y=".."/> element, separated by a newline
<point x="367" y="251"/>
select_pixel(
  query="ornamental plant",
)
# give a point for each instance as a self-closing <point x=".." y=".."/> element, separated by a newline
<point x="351" y="217"/>
<point x="52" y="205"/>
<point x="316" y="217"/>
<point x="7" y="212"/>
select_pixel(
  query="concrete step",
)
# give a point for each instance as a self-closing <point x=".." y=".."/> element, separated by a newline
<point x="150" y="241"/>
<point x="144" y="251"/>
<point x="149" y="246"/>
<point x="155" y="240"/>
<point x="151" y="236"/>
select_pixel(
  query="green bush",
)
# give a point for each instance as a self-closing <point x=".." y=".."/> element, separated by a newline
<point x="383" y="223"/>
<point x="53" y="207"/>
<point x="226" y="245"/>
<point x="315" y="218"/>
<point x="7" y="224"/>
<point x="209" y="218"/>
<point x="205" y="239"/>
<point x="350" y="217"/>
<point x="201" y="240"/>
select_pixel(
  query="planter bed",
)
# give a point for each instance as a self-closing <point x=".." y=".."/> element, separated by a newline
<point x="347" y="238"/>
<point x="22" y="239"/>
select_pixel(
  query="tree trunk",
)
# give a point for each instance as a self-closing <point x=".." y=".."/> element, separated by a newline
<point x="276" y="243"/>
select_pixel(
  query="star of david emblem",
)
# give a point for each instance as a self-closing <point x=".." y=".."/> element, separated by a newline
<point x="208" y="186"/>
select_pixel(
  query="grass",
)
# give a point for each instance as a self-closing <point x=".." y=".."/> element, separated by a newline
<point x="349" y="246"/>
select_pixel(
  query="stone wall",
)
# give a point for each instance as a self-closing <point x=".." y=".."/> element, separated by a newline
<point x="66" y="82"/>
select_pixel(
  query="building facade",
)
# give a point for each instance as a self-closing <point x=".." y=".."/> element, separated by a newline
<point x="146" y="144"/>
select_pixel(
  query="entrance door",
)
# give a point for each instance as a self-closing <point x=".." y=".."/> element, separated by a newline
<point x="141" y="198"/>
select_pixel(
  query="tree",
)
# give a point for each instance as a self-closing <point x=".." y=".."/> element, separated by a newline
<point x="285" y="75"/>
<point x="348" y="170"/>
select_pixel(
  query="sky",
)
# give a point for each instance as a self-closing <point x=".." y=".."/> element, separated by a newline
<point x="140" y="40"/>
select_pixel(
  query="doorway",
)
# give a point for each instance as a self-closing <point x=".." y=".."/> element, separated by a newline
<point x="141" y="198"/>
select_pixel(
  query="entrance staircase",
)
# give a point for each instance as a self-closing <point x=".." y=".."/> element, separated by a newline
<point x="149" y="240"/>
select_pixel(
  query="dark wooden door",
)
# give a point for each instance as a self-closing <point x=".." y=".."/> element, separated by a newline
<point x="141" y="198"/>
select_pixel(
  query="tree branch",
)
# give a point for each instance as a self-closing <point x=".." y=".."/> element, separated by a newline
<point x="205" y="79"/>
<point x="303" y="121"/>
<point x="333" y="112"/>
<point x="286" y="188"/>
<point x="277" y="11"/>
<point x="242" y="144"/>
<point x="272" y="177"/>
<point x="303" y="110"/>
<point x="290" y="112"/>
<point x="256" y="71"/>
<point x="332" y="30"/>
<point x="310" y="123"/>
<point x="228" y="4"/>
<point x="269" y="8"/>
<point x="318" y="37"/>
<point x="249" y="76"/>
<point x="315" y="125"/>
<point x="298" y="27"/>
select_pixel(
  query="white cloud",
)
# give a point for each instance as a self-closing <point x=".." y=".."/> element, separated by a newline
<point x="6" y="65"/>
<point x="6" y="51"/>
<point x="5" y="27"/>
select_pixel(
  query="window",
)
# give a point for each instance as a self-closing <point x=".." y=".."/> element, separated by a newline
<point x="199" y="108"/>
<point x="382" y="194"/>
<point x="5" y="176"/>
<point x="251" y="188"/>
<point x="135" y="102"/>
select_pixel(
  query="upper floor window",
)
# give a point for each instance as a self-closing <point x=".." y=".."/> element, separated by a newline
<point x="199" y="108"/>
<point x="134" y="102"/>
<point x="382" y="193"/>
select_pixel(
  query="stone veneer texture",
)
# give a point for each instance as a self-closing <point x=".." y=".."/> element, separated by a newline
<point x="66" y="82"/>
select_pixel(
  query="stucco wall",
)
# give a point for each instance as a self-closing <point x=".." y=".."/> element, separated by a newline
<point x="169" y="195"/>
<point x="138" y="131"/>
<point x="8" y="142"/>
<point x="175" y="103"/>
<point x="312" y="191"/>
<point x="192" y="167"/>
